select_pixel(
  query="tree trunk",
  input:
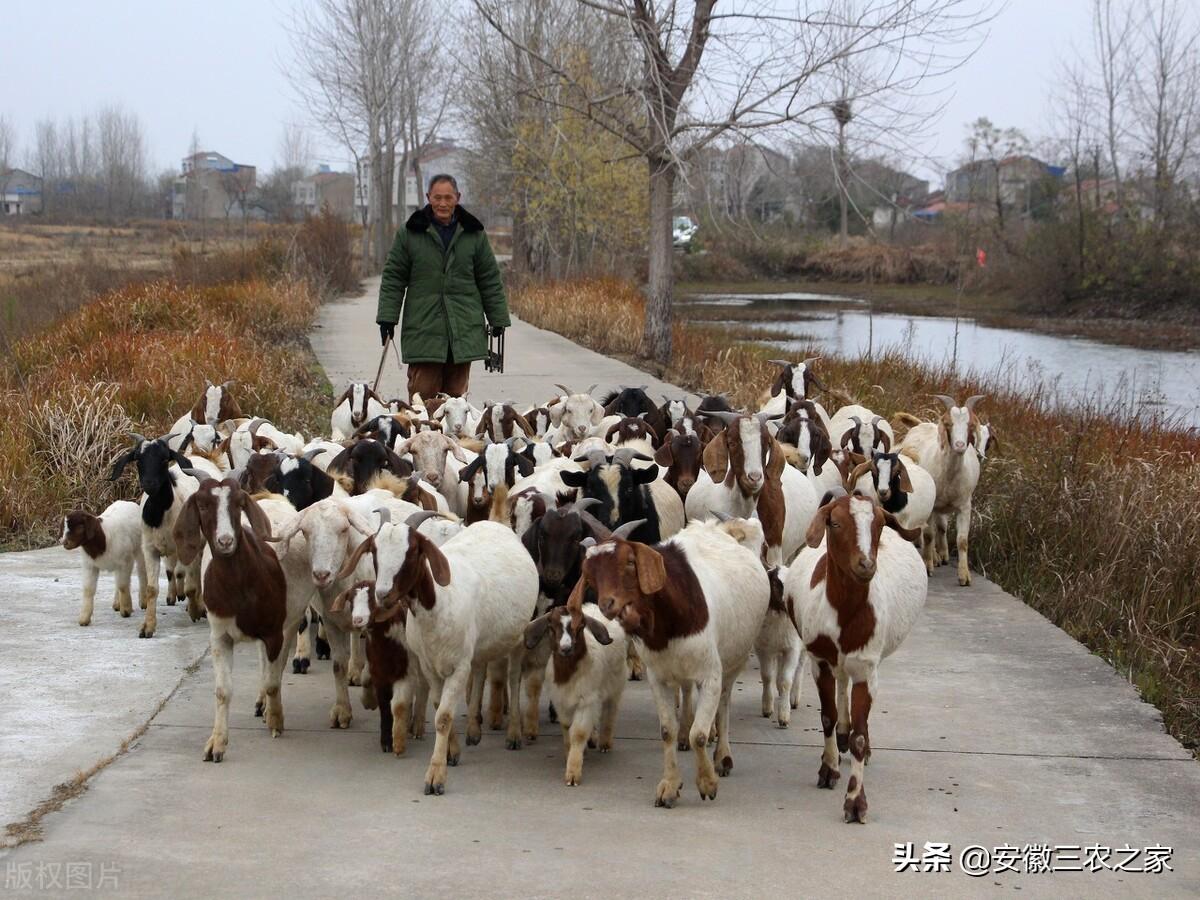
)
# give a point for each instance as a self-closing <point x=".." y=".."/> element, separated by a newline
<point x="843" y="186"/>
<point x="656" y="337"/>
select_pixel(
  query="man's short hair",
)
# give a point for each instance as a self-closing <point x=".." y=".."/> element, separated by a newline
<point x="443" y="176"/>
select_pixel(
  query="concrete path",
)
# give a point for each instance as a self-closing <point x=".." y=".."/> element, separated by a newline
<point x="992" y="728"/>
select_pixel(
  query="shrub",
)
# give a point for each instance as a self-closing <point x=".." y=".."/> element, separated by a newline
<point x="325" y="254"/>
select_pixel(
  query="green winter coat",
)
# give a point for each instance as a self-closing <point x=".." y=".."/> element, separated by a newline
<point x="444" y="294"/>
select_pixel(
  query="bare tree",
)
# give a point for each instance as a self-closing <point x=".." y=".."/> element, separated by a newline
<point x="696" y="74"/>
<point x="8" y="150"/>
<point x="1113" y="58"/>
<point x="295" y="149"/>
<point x="367" y="72"/>
<point x="1166" y="87"/>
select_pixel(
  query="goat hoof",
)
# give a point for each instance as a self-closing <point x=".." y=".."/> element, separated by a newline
<point x="843" y="742"/>
<point x="795" y="705"/>
<point x="126" y="613"/>
<point x="258" y="709"/>
<point x="452" y="759"/>
<point x="170" y="601"/>
<point x="724" y="767"/>
<point x="667" y="794"/>
<point x="708" y="789"/>
<point x="827" y="776"/>
<point x="322" y="648"/>
<point x="432" y="790"/>
<point x="782" y="723"/>
<point x="513" y="744"/>
<point x="684" y="744"/>
<point x="855" y="810"/>
<point x="296" y="667"/>
<point x="386" y="745"/>
<point x="145" y="632"/>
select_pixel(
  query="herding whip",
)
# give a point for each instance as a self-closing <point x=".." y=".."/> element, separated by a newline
<point x="383" y="359"/>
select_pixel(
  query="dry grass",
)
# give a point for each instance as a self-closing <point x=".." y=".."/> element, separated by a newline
<point x="1088" y="514"/>
<point x="152" y="346"/>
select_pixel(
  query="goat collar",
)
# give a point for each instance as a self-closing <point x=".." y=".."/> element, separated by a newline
<point x="423" y="218"/>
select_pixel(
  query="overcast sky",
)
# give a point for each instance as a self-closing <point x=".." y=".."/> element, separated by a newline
<point x="216" y="68"/>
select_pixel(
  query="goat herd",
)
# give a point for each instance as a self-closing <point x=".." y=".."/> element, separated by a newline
<point x="432" y="547"/>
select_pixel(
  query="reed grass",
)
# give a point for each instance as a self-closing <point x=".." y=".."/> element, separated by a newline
<point x="1088" y="512"/>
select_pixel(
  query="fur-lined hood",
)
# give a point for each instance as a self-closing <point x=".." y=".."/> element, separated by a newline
<point x="423" y="218"/>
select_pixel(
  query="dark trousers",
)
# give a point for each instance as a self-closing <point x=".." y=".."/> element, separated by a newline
<point x="428" y="379"/>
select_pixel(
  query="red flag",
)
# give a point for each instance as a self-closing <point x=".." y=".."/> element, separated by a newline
<point x="980" y="257"/>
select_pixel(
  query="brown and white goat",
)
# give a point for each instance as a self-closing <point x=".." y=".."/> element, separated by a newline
<point x="215" y="405"/>
<point x="694" y="605"/>
<point x="245" y="593"/>
<point x="745" y="475"/>
<point x="855" y="592"/>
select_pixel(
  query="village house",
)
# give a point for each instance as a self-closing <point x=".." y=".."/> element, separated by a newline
<point x="325" y="188"/>
<point x="212" y="186"/>
<point x="444" y="156"/>
<point x="1021" y="181"/>
<point x="20" y="192"/>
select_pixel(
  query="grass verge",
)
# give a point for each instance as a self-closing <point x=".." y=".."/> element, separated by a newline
<point x="136" y="359"/>
<point x="1088" y="514"/>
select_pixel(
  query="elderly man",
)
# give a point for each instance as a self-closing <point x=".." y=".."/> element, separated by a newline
<point x="441" y="272"/>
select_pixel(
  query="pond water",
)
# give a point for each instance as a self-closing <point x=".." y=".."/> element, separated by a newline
<point x="1144" y="381"/>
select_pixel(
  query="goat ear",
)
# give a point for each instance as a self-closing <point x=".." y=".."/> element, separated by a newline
<point x="530" y="542"/>
<point x="259" y="522"/>
<point x="597" y="414"/>
<point x="652" y="574"/>
<point x="816" y="528"/>
<point x="573" y="479"/>
<point x="645" y="475"/>
<point x="189" y="539"/>
<point x="598" y="631"/>
<point x="716" y="458"/>
<point x="439" y="566"/>
<point x="776" y="460"/>
<point x="905" y="482"/>
<point x="575" y="601"/>
<point x="339" y="462"/>
<point x="536" y="630"/>
<point x="523" y="424"/>
<point x="348" y="567"/>
<point x="524" y="465"/>
<point x="400" y="467"/>
<point x="664" y="456"/>
<point x="122" y="461"/>
<point x="909" y="534"/>
<point x="468" y="472"/>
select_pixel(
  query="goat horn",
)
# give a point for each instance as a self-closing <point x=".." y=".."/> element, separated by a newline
<point x="588" y="541"/>
<point x="764" y="418"/>
<point x="727" y="417"/>
<point x="255" y="424"/>
<point x="415" y="520"/>
<point x="949" y="401"/>
<point x="582" y="505"/>
<point x="722" y="516"/>
<point x="856" y="420"/>
<point x="812" y="359"/>
<point x="859" y="471"/>
<point x="137" y="438"/>
<point x="623" y="532"/>
<point x="779" y="362"/>
<point x="314" y="452"/>
<point x="194" y="473"/>
<point x="846" y="437"/>
<point x="562" y="387"/>
<point x="225" y="385"/>
<point x="972" y="400"/>
<point x="385" y="517"/>
<point x="592" y="387"/>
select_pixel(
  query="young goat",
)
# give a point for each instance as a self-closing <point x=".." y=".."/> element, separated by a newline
<point x="355" y="406"/>
<point x="694" y="605"/>
<point x="111" y="542"/>
<point x="855" y="590"/>
<point x="780" y="655"/>
<point x="587" y="677"/>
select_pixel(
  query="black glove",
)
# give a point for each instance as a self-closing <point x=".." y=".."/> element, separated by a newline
<point x="497" y="330"/>
<point x="387" y="331"/>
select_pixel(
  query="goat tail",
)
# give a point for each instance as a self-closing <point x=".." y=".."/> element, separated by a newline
<point x="500" y="511"/>
<point x="904" y="421"/>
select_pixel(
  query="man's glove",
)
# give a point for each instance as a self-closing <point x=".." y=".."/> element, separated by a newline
<point x="497" y="330"/>
<point x="387" y="331"/>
